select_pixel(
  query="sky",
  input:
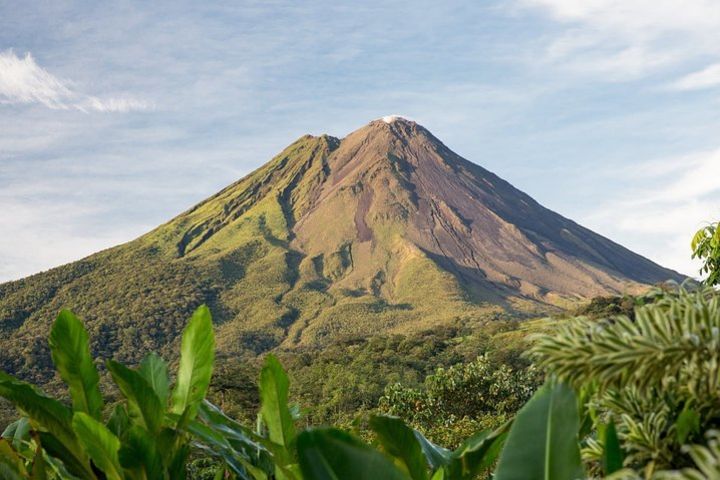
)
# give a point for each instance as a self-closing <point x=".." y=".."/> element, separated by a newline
<point x="117" y="116"/>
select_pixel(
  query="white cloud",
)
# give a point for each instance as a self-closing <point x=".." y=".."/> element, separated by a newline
<point x="631" y="38"/>
<point x="23" y="81"/>
<point x="640" y="20"/>
<point x="705" y="78"/>
<point x="117" y="104"/>
<point x="673" y="198"/>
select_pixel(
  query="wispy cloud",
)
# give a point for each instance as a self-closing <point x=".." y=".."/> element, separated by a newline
<point x="706" y="78"/>
<point x="627" y="39"/>
<point x="23" y="81"/>
<point x="673" y="198"/>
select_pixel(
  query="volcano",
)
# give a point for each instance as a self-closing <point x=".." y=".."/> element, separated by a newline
<point x="385" y="230"/>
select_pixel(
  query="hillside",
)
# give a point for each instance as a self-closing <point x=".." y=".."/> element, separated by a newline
<point x="386" y="230"/>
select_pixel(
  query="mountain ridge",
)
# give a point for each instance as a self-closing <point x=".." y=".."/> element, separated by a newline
<point x="385" y="230"/>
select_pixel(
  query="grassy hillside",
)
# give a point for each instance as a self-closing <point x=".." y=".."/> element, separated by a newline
<point x="385" y="232"/>
<point x="234" y="253"/>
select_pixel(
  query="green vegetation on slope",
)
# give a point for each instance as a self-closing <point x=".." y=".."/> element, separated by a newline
<point x="236" y="253"/>
<point x="638" y="400"/>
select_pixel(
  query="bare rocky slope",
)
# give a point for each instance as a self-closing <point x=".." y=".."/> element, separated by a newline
<point x="386" y="230"/>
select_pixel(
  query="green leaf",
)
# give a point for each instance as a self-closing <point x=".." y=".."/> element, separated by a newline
<point x="39" y="468"/>
<point x="274" y="402"/>
<point x="17" y="432"/>
<point x="10" y="458"/>
<point x="436" y="455"/>
<point x="239" y="437"/>
<point x="142" y="400"/>
<point x="100" y="443"/>
<point x="138" y="454"/>
<point x="177" y="467"/>
<point x="217" y="445"/>
<point x="477" y="453"/>
<point x="43" y="411"/>
<point x="154" y="369"/>
<point x="69" y="461"/>
<point x="70" y="349"/>
<point x="543" y="441"/>
<point x="7" y="472"/>
<point x="399" y="441"/>
<point x="119" y="421"/>
<point x="612" y="453"/>
<point x="687" y="423"/>
<point x="197" y="354"/>
<point x="331" y="454"/>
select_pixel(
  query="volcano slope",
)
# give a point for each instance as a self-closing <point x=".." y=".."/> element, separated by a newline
<point x="386" y="230"/>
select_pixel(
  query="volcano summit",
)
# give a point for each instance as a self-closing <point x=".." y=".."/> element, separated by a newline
<point x="385" y="230"/>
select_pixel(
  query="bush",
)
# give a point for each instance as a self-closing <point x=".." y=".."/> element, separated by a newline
<point x="654" y="380"/>
<point x="149" y="434"/>
<point x="456" y="401"/>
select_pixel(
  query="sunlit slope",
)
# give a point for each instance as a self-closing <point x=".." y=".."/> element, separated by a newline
<point x="386" y="230"/>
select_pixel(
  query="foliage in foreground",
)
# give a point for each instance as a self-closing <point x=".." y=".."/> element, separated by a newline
<point x="149" y="435"/>
<point x="145" y="436"/>
<point x="649" y="388"/>
<point x="624" y="399"/>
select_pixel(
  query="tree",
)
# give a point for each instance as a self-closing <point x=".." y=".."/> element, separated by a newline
<point x="706" y="246"/>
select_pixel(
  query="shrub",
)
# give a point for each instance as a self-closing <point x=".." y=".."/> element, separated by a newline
<point x="654" y="380"/>
<point x="144" y="437"/>
<point x="150" y="433"/>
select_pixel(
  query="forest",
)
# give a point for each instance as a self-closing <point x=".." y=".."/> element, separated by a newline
<point x="624" y="388"/>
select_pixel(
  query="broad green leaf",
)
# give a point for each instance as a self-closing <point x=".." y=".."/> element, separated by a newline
<point x="249" y="453"/>
<point x="70" y="349"/>
<point x="39" y="468"/>
<point x="543" y="441"/>
<point x="17" y="432"/>
<point x="274" y="402"/>
<point x="436" y="455"/>
<point x="100" y="443"/>
<point x="8" y="473"/>
<point x="45" y="412"/>
<point x="197" y="354"/>
<point x="142" y="400"/>
<point x="154" y="369"/>
<point x="612" y="452"/>
<point x="69" y="461"/>
<point x="399" y="441"/>
<point x="138" y="454"/>
<point x="119" y="421"/>
<point x="239" y="437"/>
<point x="477" y="454"/>
<point x="275" y="412"/>
<point x="177" y="467"/>
<point x="217" y="445"/>
<point x="331" y="454"/>
<point x="687" y="423"/>
<point x="10" y="458"/>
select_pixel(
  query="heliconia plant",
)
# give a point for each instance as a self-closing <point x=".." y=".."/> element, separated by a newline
<point x="150" y="433"/>
<point x="279" y="451"/>
<point x="145" y="437"/>
<point x="625" y="399"/>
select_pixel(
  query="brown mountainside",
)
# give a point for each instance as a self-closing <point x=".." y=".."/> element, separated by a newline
<point x="385" y="230"/>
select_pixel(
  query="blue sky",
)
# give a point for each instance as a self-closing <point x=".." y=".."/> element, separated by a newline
<point x="116" y="116"/>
